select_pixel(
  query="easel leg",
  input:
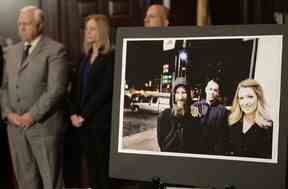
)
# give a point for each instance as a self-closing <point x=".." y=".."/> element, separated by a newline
<point x="229" y="186"/>
<point x="156" y="183"/>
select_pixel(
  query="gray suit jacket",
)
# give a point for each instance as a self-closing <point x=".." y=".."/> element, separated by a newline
<point x="37" y="85"/>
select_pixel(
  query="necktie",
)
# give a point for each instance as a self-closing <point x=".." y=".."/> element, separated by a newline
<point x="25" y="53"/>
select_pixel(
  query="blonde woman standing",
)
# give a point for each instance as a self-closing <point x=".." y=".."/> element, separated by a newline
<point x="91" y="109"/>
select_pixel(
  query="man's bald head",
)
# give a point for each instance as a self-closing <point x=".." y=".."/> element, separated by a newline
<point x="156" y="16"/>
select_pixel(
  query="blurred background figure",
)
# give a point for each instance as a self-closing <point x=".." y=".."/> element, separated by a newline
<point x="91" y="99"/>
<point x="156" y="16"/>
<point x="251" y="125"/>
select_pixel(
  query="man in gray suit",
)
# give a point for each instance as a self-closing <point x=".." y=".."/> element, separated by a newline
<point x="34" y="82"/>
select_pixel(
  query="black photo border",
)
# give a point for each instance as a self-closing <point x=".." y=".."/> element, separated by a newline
<point x="198" y="171"/>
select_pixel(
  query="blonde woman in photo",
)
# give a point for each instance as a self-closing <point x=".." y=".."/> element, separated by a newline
<point x="250" y="123"/>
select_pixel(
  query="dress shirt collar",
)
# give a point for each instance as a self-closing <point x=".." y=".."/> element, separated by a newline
<point x="32" y="43"/>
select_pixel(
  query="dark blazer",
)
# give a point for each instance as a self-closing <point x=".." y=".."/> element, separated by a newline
<point x="97" y="106"/>
<point x="213" y="121"/>
<point x="256" y="142"/>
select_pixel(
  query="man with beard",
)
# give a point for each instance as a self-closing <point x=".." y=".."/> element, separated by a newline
<point x="174" y="124"/>
<point x="212" y="120"/>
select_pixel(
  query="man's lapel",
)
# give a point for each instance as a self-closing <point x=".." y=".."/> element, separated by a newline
<point x="35" y="51"/>
<point x="19" y="54"/>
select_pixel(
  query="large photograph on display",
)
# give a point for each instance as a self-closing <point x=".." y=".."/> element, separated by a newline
<point x="208" y="70"/>
<point x="204" y="98"/>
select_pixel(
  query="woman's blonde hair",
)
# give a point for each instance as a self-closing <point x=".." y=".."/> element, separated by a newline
<point x="103" y="28"/>
<point x="262" y="118"/>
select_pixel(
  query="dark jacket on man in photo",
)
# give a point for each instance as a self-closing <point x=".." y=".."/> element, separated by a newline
<point x="214" y="125"/>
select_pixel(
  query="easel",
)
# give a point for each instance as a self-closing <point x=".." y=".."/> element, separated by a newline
<point x="157" y="184"/>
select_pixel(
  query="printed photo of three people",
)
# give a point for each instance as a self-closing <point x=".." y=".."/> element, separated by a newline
<point x="205" y="97"/>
